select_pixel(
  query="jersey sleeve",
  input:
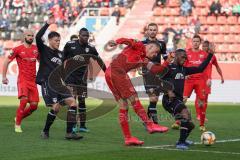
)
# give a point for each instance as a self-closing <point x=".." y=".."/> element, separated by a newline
<point x="66" y="52"/>
<point x="13" y="54"/>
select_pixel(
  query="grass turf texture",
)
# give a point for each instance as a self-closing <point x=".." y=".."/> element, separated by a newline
<point x="105" y="139"/>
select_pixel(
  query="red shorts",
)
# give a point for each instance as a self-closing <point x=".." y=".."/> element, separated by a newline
<point x="198" y="85"/>
<point x="119" y="83"/>
<point x="28" y="89"/>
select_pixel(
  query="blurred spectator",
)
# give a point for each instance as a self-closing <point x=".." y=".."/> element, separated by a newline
<point x="236" y="9"/>
<point x="161" y="3"/>
<point x="215" y="8"/>
<point x="226" y="9"/>
<point x="186" y="8"/>
<point x="195" y="24"/>
<point x="4" y="23"/>
<point x="117" y="14"/>
<point x="23" y="22"/>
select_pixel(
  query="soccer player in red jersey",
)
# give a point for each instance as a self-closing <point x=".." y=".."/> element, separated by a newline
<point x="197" y="82"/>
<point x="205" y="47"/>
<point x="133" y="56"/>
<point x="26" y="56"/>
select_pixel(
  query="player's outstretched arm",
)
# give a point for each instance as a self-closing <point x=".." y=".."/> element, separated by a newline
<point x="39" y="41"/>
<point x="4" y="71"/>
<point x="200" y="68"/>
<point x="219" y="71"/>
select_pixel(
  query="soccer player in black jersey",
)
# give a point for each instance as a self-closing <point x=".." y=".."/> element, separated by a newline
<point x="149" y="79"/>
<point x="77" y="80"/>
<point x="173" y="100"/>
<point x="50" y="59"/>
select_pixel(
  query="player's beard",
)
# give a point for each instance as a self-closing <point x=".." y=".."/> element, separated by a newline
<point x="28" y="41"/>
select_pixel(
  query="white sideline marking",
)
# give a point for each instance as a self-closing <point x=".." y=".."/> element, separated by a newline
<point x="165" y="147"/>
<point x="195" y="143"/>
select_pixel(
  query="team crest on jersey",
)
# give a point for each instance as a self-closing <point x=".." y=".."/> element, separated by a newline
<point x="201" y="56"/>
<point x="60" y="55"/>
<point x="35" y="52"/>
<point x="179" y="76"/>
<point x="87" y="50"/>
<point x="54" y="100"/>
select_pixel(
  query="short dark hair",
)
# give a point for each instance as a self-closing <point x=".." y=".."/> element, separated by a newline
<point x="73" y="36"/>
<point x="180" y="50"/>
<point x="83" y="29"/>
<point x="206" y="42"/>
<point x="152" y="24"/>
<point x="197" y="36"/>
<point x="53" y="34"/>
<point x="155" y="43"/>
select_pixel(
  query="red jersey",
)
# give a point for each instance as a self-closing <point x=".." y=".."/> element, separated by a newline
<point x="26" y="59"/>
<point x="208" y="70"/>
<point x="131" y="57"/>
<point x="194" y="59"/>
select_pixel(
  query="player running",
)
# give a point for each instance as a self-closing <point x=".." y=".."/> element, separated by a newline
<point x="148" y="77"/>
<point x="26" y="55"/>
<point x="50" y="59"/>
<point x="205" y="47"/>
<point x="133" y="56"/>
<point x="173" y="100"/>
<point x="197" y="82"/>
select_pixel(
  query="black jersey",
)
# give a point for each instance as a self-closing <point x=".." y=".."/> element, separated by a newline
<point x="73" y="48"/>
<point x="176" y="75"/>
<point x="49" y="58"/>
<point x="162" y="51"/>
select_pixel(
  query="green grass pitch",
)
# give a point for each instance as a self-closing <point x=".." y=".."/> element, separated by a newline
<point x="105" y="139"/>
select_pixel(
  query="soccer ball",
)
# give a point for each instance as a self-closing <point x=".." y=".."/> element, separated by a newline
<point x="208" y="138"/>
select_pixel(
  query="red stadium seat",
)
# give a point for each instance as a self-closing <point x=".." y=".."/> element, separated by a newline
<point x="175" y="11"/>
<point x="159" y="20"/>
<point x="234" y="48"/>
<point x="208" y="37"/>
<point x="203" y="19"/>
<point x="229" y="38"/>
<point x="173" y="3"/>
<point x="200" y="3"/>
<point x="181" y="20"/>
<point x="123" y="11"/>
<point x="157" y="11"/>
<point x="104" y="11"/>
<point x="224" y="29"/>
<point x="221" y="20"/>
<point x="232" y="20"/>
<point x="218" y="38"/>
<point x="235" y="29"/>
<point x="211" y="20"/>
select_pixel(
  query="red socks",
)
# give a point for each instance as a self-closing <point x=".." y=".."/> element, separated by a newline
<point x="123" y="120"/>
<point x="29" y="110"/>
<point x="138" y="108"/>
<point x="20" y="111"/>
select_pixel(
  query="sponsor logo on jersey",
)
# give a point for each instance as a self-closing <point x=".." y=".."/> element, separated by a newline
<point x="56" y="60"/>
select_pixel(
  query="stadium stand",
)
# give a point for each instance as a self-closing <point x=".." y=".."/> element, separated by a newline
<point x="17" y="15"/>
<point x="221" y="28"/>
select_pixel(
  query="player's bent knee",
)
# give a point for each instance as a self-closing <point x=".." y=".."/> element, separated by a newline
<point x="33" y="108"/>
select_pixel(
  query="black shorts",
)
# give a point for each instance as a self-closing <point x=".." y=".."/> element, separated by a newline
<point x="174" y="106"/>
<point x="79" y="90"/>
<point x="150" y="84"/>
<point x="51" y="97"/>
